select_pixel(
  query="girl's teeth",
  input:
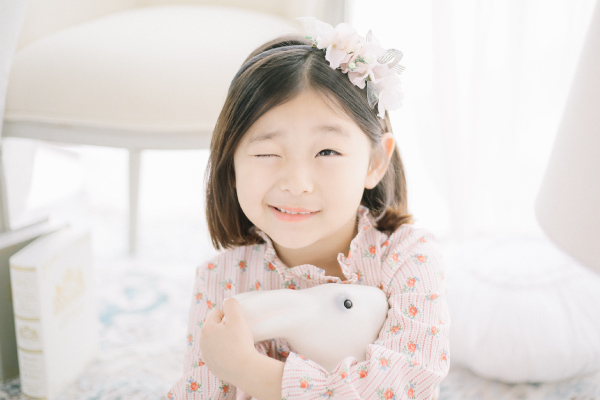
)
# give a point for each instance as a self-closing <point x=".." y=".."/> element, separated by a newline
<point x="289" y="212"/>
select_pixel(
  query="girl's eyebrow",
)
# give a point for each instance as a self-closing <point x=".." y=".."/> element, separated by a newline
<point x="328" y="129"/>
<point x="336" y="129"/>
<point x="264" y="136"/>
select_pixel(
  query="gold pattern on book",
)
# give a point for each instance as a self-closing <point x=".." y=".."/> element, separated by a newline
<point x="69" y="290"/>
<point x="29" y="333"/>
<point x="30" y="350"/>
<point x="34" y="398"/>
<point x="27" y="319"/>
<point x="25" y="269"/>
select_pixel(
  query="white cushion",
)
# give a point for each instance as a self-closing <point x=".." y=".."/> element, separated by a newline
<point x="153" y="69"/>
<point x="523" y="311"/>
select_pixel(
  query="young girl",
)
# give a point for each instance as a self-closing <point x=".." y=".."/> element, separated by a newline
<point x="306" y="187"/>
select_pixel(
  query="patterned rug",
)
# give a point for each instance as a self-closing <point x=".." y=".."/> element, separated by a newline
<point x="143" y="315"/>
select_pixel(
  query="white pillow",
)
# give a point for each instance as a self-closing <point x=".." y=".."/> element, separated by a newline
<point x="523" y="311"/>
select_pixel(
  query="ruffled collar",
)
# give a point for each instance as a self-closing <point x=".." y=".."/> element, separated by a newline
<point x="358" y="246"/>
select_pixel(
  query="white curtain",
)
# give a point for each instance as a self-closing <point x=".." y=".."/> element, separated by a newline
<point x="485" y="85"/>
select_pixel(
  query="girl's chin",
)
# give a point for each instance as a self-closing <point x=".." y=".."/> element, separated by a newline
<point x="292" y="242"/>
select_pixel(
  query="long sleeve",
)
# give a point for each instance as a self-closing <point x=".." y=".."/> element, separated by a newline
<point x="410" y="357"/>
<point x="197" y="382"/>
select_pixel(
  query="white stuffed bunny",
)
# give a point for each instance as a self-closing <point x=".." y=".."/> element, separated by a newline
<point x="325" y="323"/>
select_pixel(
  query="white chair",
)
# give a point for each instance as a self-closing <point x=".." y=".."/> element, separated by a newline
<point x="137" y="74"/>
<point x="12" y="15"/>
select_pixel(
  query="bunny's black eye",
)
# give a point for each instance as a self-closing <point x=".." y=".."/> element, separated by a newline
<point x="348" y="304"/>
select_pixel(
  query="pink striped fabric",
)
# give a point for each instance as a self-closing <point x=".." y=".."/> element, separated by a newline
<point x="408" y="360"/>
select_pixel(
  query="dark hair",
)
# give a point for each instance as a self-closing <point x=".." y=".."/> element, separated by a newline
<point x="264" y="84"/>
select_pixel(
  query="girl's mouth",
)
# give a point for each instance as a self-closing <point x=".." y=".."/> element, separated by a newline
<point x="292" y="214"/>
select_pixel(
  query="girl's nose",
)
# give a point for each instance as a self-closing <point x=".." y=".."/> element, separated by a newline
<point x="296" y="179"/>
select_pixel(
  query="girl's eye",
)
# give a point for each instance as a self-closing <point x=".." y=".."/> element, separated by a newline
<point x="265" y="155"/>
<point x="328" y="153"/>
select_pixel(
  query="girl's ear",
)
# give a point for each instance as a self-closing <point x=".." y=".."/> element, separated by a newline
<point x="380" y="160"/>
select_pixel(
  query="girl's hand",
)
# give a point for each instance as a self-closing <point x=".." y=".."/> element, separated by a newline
<point x="226" y="342"/>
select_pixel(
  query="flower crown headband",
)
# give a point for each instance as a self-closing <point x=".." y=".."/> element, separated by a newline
<point x="363" y="59"/>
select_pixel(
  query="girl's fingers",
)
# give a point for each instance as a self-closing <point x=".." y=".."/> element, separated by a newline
<point x="215" y="316"/>
<point x="232" y="308"/>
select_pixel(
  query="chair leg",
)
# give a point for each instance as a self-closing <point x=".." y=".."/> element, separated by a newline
<point x="134" y="188"/>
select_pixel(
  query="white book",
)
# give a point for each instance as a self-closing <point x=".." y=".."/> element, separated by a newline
<point x="10" y="243"/>
<point x="56" y="320"/>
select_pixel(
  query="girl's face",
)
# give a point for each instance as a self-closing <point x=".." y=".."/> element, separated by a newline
<point x="301" y="170"/>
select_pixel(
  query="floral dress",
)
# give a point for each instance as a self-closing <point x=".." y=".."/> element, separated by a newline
<point x="408" y="360"/>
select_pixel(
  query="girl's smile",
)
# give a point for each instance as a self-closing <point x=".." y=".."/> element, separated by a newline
<point x="292" y="214"/>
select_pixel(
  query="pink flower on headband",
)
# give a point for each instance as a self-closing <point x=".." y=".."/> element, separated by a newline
<point x="339" y="43"/>
<point x="363" y="59"/>
<point x="362" y="63"/>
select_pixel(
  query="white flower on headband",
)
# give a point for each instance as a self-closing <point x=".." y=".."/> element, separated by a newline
<point x="363" y="59"/>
